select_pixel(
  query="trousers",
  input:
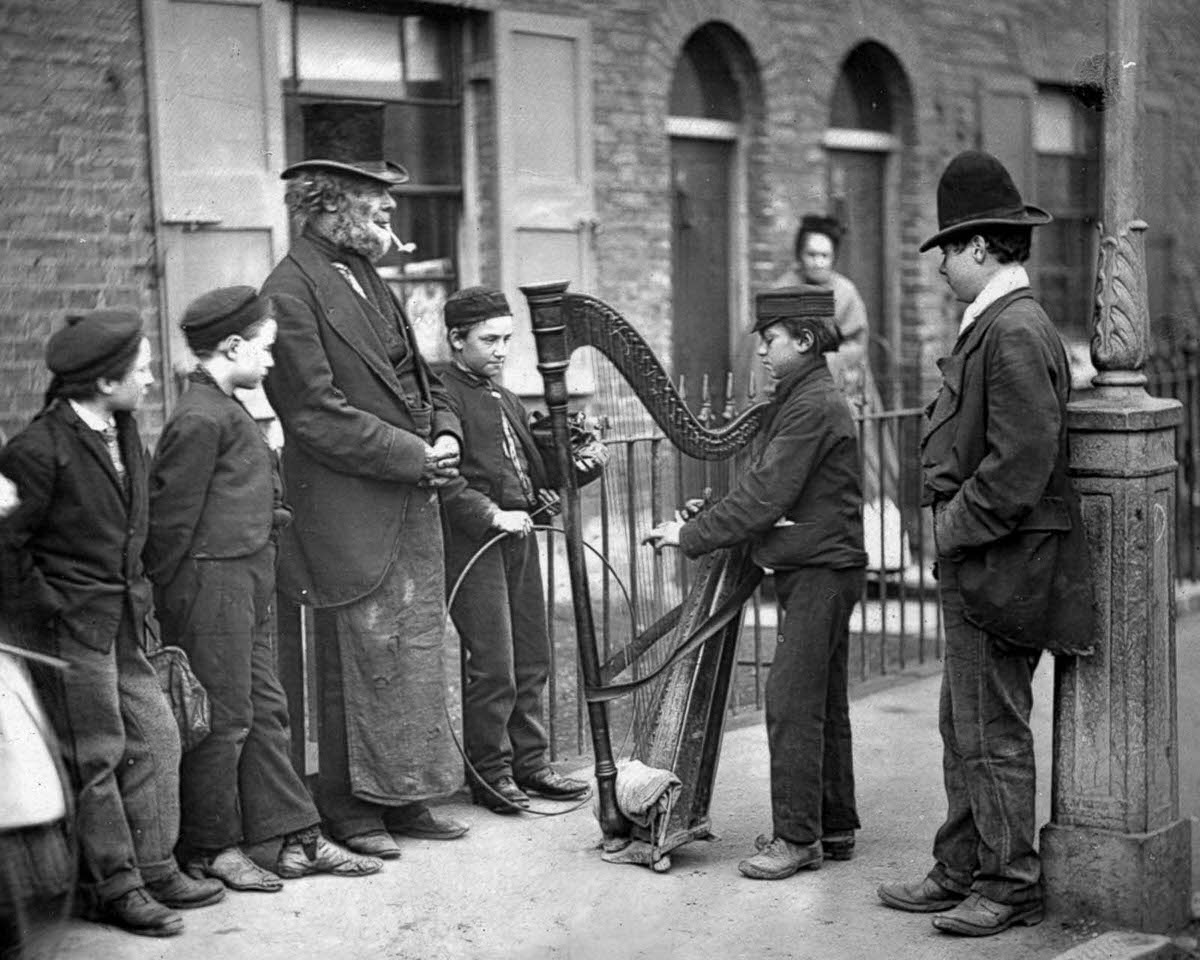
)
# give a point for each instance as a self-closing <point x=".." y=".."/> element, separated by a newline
<point x="120" y="747"/>
<point x="808" y="706"/>
<point x="500" y="615"/>
<point x="986" y="843"/>
<point x="238" y="785"/>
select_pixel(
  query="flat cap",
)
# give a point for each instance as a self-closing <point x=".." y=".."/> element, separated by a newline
<point x="94" y="344"/>
<point x="378" y="171"/>
<point x="806" y="302"/>
<point x="218" y="314"/>
<point x="474" y="305"/>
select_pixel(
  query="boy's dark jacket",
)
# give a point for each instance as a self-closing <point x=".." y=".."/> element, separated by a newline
<point x="72" y="551"/>
<point x="806" y="471"/>
<point x="994" y="457"/>
<point x="471" y="500"/>
<point x="214" y="490"/>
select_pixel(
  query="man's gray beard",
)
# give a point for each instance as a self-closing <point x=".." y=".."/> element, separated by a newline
<point x="361" y="236"/>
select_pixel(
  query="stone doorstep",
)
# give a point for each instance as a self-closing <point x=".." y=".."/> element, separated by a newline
<point x="1123" y="945"/>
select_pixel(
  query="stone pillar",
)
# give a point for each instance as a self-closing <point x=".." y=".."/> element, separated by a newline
<point x="1116" y="846"/>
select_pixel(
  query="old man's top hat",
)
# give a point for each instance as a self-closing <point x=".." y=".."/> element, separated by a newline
<point x="976" y="191"/>
<point x="346" y="138"/>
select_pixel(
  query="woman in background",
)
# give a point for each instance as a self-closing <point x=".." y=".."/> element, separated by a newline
<point x="817" y="242"/>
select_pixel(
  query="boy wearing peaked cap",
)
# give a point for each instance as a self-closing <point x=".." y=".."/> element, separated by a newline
<point x="75" y="542"/>
<point x="500" y="610"/>
<point x="1012" y="561"/>
<point x="800" y="504"/>
<point x="216" y="505"/>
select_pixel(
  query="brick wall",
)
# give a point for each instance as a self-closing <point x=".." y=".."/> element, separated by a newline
<point x="948" y="51"/>
<point x="75" y="221"/>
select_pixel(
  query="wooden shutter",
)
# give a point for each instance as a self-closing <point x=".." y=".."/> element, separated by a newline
<point x="217" y="146"/>
<point x="1006" y="128"/>
<point x="545" y="157"/>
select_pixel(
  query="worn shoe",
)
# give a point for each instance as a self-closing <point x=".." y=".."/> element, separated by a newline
<point x="330" y="858"/>
<point x="781" y="858"/>
<point x="977" y="916"/>
<point x="374" y="843"/>
<point x="924" y="896"/>
<point x="555" y="786"/>
<point x="180" y="892"/>
<point x="500" y="796"/>
<point x="138" y="912"/>
<point x="234" y="869"/>
<point x="835" y="846"/>
<point x="417" y="820"/>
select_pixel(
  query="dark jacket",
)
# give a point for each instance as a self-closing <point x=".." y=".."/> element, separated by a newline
<point x="354" y="442"/>
<point x="994" y="459"/>
<point x="806" y="472"/>
<point x="214" y="491"/>
<point x="72" y="550"/>
<point x="487" y="480"/>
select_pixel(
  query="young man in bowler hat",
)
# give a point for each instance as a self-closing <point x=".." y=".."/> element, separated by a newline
<point x="76" y="542"/>
<point x="1011" y="558"/>
<point x="800" y="504"/>
<point x="216" y="508"/>
<point x="368" y="440"/>
<point x="500" y="611"/>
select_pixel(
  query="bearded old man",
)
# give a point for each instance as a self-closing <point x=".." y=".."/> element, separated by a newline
<point x="368" y="439"/>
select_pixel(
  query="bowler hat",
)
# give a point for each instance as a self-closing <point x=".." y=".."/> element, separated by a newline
<point x="806" y="302"/>
<point x="101" y="343"/>
<point x="474" y="305"/>
<point x="976" y="191"/>
<point x="377" y="171"/>
<point x="218" y="314"/>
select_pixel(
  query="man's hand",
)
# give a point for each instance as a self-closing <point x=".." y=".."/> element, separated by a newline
<point x="441" y="462"/>
<point x="691" y="508"/>
<point x="516" y="522"/>
<point x="666" y="534"/>
<point x="447" y="448"/>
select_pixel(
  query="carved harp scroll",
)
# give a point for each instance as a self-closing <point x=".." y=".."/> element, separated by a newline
<point x="687" y="715"/>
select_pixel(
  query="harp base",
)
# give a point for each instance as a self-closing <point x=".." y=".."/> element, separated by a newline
<point x="641" y="848"/>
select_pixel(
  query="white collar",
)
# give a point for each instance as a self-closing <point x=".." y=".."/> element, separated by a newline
<point x="93" y="419"/>
<point x="1004" y="281"/>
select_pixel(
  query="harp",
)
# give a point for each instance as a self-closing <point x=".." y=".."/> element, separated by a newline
<point x="685" y="622"/>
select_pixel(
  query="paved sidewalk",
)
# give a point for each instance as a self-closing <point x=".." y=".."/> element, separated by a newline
<point x="532" y="888"/>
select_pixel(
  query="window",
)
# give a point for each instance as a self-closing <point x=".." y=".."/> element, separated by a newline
<point x="374" y="85"/>
<point x="1066" y="146"/>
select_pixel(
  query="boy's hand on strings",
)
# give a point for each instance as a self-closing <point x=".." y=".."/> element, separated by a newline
<point x="666" y="534"/>
<point x="550" y="503"/>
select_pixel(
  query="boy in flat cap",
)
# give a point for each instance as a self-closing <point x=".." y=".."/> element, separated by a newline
<point x="216" y="507"/>
<point x="1012" y="561"/>
<point x="500" y="610"/>
<point x="76" y="539"/>
<point x="800" y="503"/>
<point x="368" y="439"/>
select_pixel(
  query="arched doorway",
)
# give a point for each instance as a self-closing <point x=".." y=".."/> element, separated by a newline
<point x="707" y="109"/>
<point x="870" y="107"/>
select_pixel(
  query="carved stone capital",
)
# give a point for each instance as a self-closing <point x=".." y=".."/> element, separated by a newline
<point x="1122" y="327"/>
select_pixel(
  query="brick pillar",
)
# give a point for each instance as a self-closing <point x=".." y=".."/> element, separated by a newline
<point x="1116" y="846"/>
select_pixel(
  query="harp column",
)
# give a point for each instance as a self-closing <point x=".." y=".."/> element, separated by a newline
<point x="1116" y="846"/>
<point x="554" y="356"/>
